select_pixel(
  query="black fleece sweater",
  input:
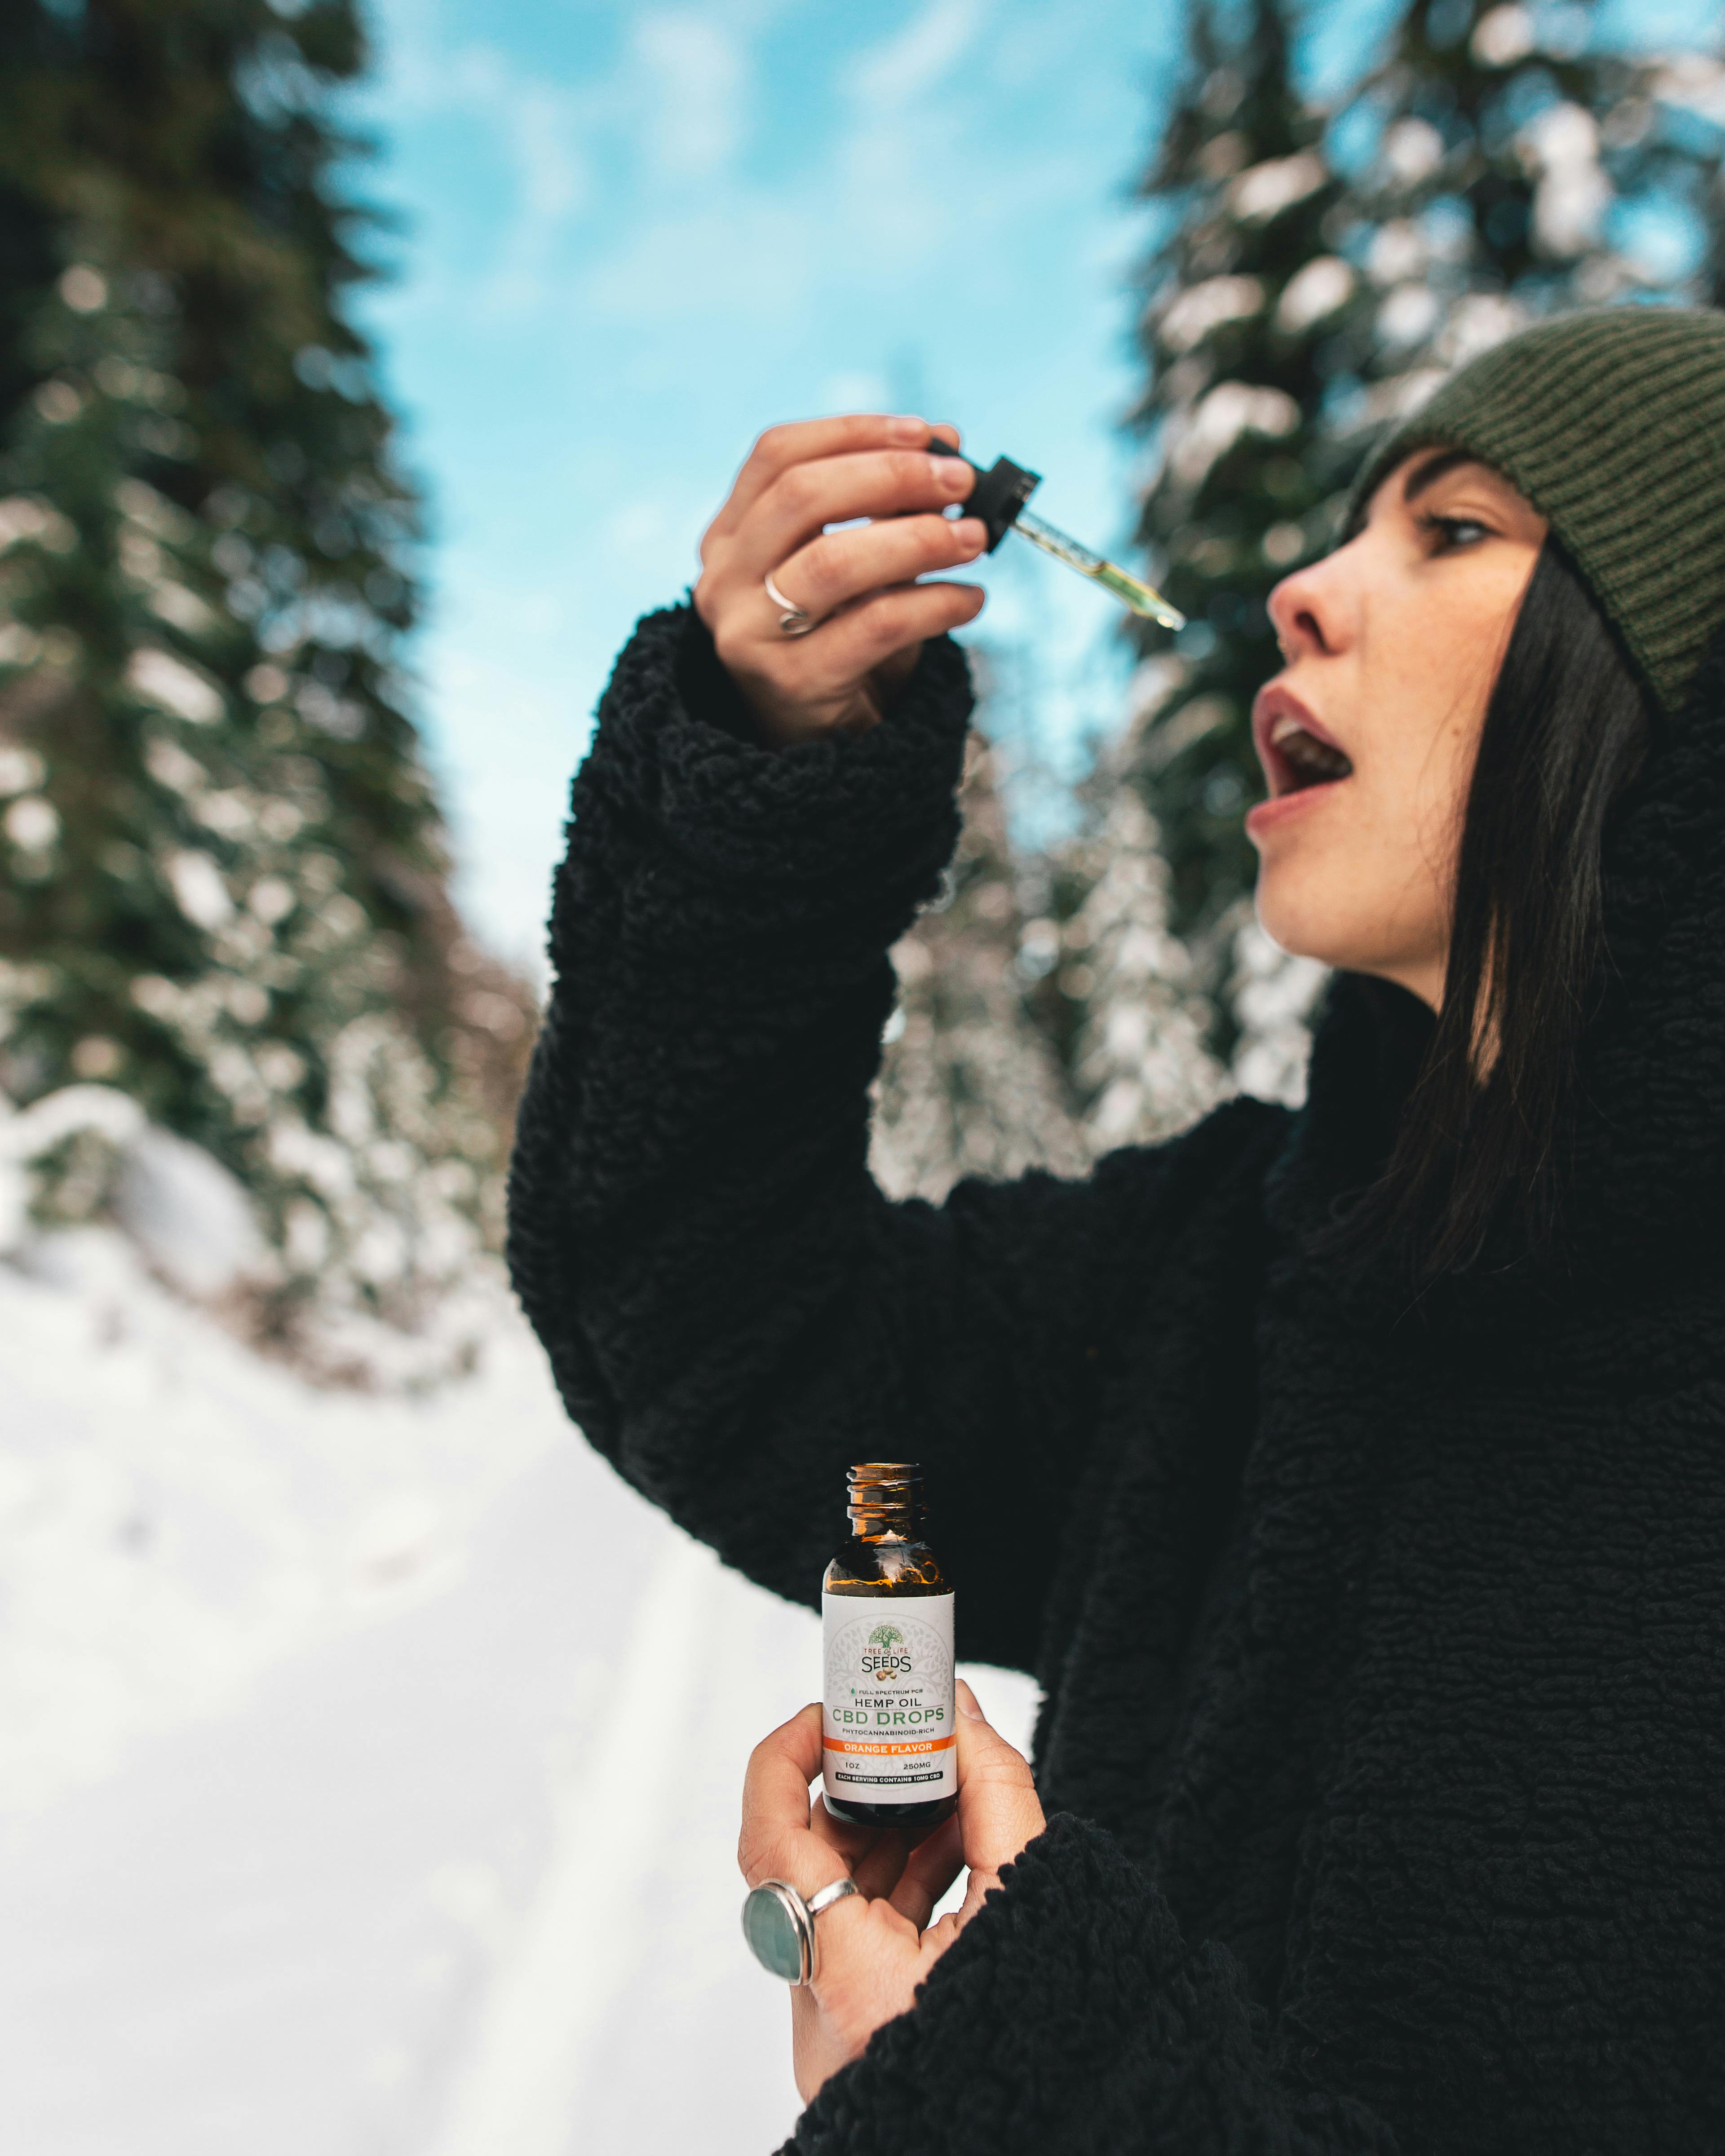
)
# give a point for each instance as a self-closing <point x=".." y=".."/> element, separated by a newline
<point x="1384" y="1655"/>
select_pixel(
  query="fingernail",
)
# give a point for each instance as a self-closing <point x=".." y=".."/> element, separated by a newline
<point x="967" y="1702"/>
<point x="951" y="473"/>
<point x="906" y="429"/>
<point x="972" y="534"/>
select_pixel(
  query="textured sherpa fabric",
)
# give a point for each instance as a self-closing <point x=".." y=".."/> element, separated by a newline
<point x="1612" y="423"/>
<point x="1383" y="1742"/>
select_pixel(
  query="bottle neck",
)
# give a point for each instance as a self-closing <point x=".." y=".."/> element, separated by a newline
<point x="874" y="1523"/>
<point x="884" y="1500"/>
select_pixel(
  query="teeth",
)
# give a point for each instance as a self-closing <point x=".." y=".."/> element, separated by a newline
<point x="1309" y="756"/>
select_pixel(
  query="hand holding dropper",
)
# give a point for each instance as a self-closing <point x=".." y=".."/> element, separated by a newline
<point x="821" y="578"/>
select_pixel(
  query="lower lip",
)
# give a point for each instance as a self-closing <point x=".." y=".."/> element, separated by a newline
<point x="1271" y="815"/>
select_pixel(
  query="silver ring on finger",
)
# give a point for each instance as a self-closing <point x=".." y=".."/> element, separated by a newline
<point x="779" y="1926"/>
<point x="792" y="619"/>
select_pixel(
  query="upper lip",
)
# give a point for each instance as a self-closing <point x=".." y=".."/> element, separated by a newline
<point x="1273" y="702"/>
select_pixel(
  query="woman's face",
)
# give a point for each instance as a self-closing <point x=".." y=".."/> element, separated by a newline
<point x="1367" y="734"/>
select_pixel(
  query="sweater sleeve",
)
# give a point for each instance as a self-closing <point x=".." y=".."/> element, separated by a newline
<point x="732" y="1308"/>
<point x="1070" y="2018"/>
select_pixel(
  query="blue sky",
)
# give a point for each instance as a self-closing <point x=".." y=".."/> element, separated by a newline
<point x="635" y="234"/>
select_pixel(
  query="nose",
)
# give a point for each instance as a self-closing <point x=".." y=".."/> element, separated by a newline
<point x="1309" y="609"/>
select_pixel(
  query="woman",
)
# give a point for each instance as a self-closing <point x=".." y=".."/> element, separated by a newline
<point x="1352" y="1481"/>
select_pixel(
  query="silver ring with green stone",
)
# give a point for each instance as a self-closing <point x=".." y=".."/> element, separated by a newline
<point x="779" y="1926"/>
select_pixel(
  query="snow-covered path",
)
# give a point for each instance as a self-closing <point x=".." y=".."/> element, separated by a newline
<point x="347" y="1802"/>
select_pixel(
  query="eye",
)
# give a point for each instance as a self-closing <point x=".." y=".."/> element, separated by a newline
<point x="1448" y="533"/>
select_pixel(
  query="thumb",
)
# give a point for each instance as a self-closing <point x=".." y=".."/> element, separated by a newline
<point x="999" y="1810"/>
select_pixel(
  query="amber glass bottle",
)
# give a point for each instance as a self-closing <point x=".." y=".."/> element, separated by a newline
<point x="889" y="1738"/>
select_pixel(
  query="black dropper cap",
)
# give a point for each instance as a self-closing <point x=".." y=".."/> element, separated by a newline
<point x="1000" y="493"/>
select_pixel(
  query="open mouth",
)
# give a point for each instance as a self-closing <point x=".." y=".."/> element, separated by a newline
<point x="1296" y="751"/>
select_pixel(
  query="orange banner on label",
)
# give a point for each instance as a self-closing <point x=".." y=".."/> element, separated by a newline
<point x="919" y="1745"/>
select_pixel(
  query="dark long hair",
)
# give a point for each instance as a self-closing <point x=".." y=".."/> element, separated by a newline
<point x="1481" y="1137"/>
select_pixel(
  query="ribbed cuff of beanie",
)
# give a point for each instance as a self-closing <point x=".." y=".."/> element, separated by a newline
<point x="1612" y="423"/>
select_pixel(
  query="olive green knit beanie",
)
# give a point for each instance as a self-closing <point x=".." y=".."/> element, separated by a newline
<point x="1612" y="424"/>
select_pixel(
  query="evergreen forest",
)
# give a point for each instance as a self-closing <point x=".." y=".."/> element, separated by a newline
<point x="225" y="889"/>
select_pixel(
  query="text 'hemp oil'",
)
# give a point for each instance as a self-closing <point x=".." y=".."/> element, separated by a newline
<point x="889" y="1740"/>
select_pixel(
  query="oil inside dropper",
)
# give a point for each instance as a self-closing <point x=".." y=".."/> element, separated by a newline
<point x="1139" y="596"/>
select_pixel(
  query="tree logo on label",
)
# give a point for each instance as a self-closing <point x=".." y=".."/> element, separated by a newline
<point x="885" y="1663"/>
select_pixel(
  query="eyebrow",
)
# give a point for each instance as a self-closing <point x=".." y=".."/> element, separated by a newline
<point x="1433" y="470"/>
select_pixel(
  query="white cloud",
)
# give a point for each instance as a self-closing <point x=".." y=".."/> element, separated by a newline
<point x="694" y="96"/>
<point x="853" y="391"/>
<point x="671" y="107"/>
<point x="743" y="254"/>
<point x="537" y="129"/>
<point x="910" y="175"/>
<point x="907" y="67"/>
<point x="553" y="180"/>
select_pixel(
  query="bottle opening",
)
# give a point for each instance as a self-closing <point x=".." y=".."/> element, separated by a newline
<point x="883" y="1473"/>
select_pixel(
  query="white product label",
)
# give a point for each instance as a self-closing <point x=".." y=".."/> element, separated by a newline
<point x="888" y="1733"/>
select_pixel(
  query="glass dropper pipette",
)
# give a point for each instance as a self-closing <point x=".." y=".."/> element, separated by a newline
<point x="999" y="498"/>
<point x="1129" y="589"/>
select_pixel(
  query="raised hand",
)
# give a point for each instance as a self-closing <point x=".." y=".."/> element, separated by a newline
<point x="857" y="585"/>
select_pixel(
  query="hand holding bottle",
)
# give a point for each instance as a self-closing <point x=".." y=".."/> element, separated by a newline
<point x="875" y="1946"/>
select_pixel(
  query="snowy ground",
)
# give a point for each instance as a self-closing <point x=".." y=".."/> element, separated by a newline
<point x="345" y="1808"/>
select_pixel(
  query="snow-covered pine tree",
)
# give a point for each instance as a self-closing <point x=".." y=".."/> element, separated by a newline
<point x="969" y="1085"/>
<point x="1239" y="292"/>
<point x="224" y="886"/>
<point x="1140" y="1060"/>
<point x="1508" y="164"/>
<point x="1271" y="997"/>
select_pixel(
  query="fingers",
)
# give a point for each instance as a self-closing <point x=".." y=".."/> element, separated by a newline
<point x="832" y="490"/>
<point x="775" y="1842"/>
<point x="999" y="1810"/>
<point x="831" y="571"/>
<point x="851" y="645"/>
<point x="866" y="635"/>
<point x="871" y="617"/>
<point x="817" y="679"/>
<point x="886" y="1867"/>
<point x="929" y="1869"/>
<point x="852" y="1842"/>
<point x="875" y="1856"/>
<point x="803" y="440"/>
